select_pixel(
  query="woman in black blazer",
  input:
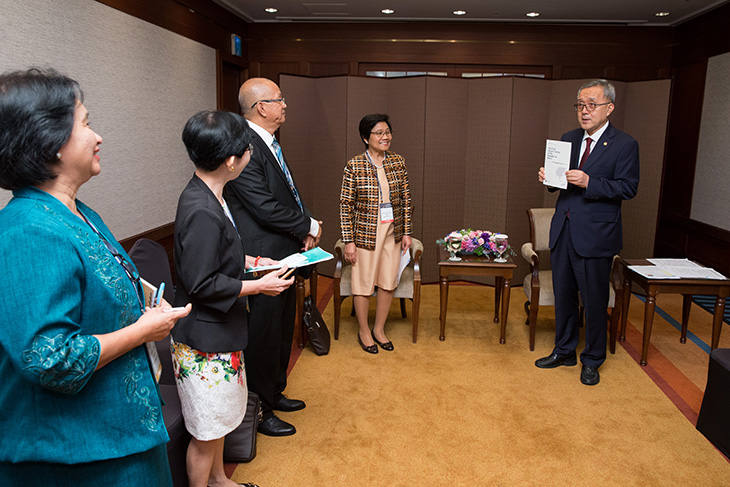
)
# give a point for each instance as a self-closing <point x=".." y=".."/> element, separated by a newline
<point x="210" y="260"/>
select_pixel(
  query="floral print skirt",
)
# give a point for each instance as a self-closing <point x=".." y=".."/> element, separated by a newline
<point x="212" y="389"/>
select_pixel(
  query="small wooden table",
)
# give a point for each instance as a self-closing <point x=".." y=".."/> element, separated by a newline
<point x="473" y="265"/>
<point x="652" y="287"/>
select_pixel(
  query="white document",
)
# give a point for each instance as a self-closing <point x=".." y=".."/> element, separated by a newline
<point x="557" y="161"/>
<point x="404" y="260"/>
<point x="653" y="272"/>
<point x="687" y="269"/>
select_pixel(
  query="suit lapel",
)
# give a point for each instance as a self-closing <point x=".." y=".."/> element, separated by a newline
<point x="270" y="159"/>
<point x="600" y="147"/>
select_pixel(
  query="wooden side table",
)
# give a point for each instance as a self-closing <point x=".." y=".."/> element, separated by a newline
<point x="713" y="287"/>
<point x="474" y="265"/>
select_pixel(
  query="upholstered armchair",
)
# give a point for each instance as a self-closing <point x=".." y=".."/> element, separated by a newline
<point x="538" y="284"/>
<point x="409" y="286"/>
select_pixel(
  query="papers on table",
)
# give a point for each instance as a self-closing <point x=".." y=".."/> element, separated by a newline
<point x="653" y="272"/>
<point x="675" y="269"/>
<point x="313" y="256"/>
<point x="557" y="161"/>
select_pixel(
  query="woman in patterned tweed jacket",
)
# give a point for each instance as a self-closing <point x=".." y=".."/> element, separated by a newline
<point x="375" y="217"/>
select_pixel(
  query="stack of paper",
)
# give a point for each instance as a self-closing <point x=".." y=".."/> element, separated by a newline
<point x="675" y="269"/>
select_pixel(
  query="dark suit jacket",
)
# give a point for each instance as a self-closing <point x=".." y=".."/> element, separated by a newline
<point x="595" y="212"/>
<point x="264" y="207"/>
<point x="209" y="263"/>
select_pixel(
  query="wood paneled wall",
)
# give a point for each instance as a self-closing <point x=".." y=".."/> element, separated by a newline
<point x="472" y="148"/>
<point x="323" y="49"/>
<point x="677" y="234"/>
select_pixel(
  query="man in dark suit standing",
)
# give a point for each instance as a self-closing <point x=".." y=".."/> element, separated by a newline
<point x="272" y="221"/>
<point x="585" y="232"/>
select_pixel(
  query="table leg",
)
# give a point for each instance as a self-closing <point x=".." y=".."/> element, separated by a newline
<point x="444" y="295"/>
<point x="686" y="306"/>
<point x="497" y="295"/>
<point x="626" y="290"/>
<point x="717" y="321"/>
<point x="648" y="322"/>
<point x="505" y="309"/>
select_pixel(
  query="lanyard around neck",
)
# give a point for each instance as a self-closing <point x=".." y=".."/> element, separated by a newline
<point x="129" y="269"/>
<point x="370" y="160"/>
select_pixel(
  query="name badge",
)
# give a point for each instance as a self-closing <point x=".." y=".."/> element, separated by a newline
<point x="386" y="212"/>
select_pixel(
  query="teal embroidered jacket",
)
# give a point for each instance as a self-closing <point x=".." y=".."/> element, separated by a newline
<point x="60" y="285"/>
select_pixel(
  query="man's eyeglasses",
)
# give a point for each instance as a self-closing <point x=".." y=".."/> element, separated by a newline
<point x="272" y="100"/>
<point x="589" y="106"/>
<point x="380" y="135"/>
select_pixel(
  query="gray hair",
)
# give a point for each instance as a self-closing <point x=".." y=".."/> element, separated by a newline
<point x="608" y="90"/>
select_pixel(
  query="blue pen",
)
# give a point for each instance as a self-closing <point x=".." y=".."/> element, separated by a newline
<point x="160" y="291"/>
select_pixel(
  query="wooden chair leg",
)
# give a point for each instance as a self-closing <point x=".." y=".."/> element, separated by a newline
<point x="416" y="307"/>
<point x="300" y="290"/>
<point x="338" y="305"/>
<point x="534" y="306"/>
<point x="527" y="312"/>
<point x="403" y="308"/>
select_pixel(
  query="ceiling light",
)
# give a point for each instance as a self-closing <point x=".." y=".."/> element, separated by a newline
<point x="661" y="14"/>
<point x="459" y="12"/>
<point x="533" y="14"/>
<point x="387" y="11"/>
<point x="271" y="10"/>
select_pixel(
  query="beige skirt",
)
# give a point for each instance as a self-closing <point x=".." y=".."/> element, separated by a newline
<point x="378" y="267"/>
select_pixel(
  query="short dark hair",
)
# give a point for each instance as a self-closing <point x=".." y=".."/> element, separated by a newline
<point x="36" y="119"/>
<point x="368" y="122"/>
<point x="211" y="137"/>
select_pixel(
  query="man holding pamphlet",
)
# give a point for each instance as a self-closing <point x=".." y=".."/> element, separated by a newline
<point x="585" y="232"/>
<point x="273" y="221"/>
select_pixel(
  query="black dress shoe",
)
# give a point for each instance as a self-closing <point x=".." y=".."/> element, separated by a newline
<point x="589" y="375"/>
<point x="288" y="405"/>
<point x="274" y="426"/>
<point x="555" y="360"/>
<point x="371" y="349"/>
<point x="385" y="346"/>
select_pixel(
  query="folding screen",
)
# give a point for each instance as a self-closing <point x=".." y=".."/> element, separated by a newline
<point x="472" y="147"/>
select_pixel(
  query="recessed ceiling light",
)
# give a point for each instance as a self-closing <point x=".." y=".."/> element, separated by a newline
<point x="533" y="14"/>
<point x="459" y="12"/>
<point x="661" y="14"/>
<point x="387" y="11"/>
<point x="271" y="10"/>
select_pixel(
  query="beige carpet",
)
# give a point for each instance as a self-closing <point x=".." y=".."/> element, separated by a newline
<point x="469" y="411"/>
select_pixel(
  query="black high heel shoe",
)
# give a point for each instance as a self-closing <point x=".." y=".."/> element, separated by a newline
<point x="385" y="346"/>
<point x="370" y="349"/>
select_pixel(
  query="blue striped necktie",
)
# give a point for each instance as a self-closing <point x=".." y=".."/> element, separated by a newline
<point x="287" y="174"/>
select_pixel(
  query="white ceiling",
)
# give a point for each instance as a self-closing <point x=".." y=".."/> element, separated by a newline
<point x="613" y="12"/>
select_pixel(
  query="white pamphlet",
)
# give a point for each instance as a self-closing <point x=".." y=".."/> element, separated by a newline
<point x="557" y="161"/>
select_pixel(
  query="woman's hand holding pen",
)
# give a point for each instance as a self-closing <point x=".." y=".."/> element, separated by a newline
<point x="156" y="322"/>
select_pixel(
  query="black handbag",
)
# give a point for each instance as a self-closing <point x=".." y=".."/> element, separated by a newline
<point x="319" y="335"/>
<point x="240" y="444"/>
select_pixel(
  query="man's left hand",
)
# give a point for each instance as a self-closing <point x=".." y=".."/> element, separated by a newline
<point x="577" y="177"/>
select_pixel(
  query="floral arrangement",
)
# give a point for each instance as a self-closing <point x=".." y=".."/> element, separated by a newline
<point x="479" y="242"/>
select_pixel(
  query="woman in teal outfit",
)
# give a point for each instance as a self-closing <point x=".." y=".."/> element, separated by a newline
<point x="77" y="395"/>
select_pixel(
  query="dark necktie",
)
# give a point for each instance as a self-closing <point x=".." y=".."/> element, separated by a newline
<point x="586" y="153"/>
